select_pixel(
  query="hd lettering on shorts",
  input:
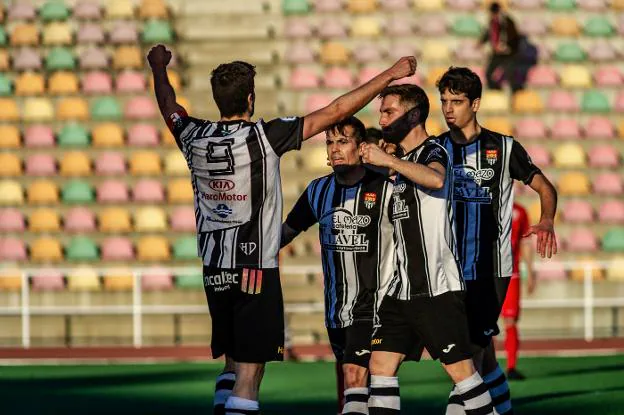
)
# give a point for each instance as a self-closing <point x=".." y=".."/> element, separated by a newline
<point x="222" y="281"/>
<point x="469" y="184"/>
<point x="339" y="231"/>
<point x="251" y="282"/>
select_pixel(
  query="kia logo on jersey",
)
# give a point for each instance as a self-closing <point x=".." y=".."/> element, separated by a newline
<point x="221" y="185"/>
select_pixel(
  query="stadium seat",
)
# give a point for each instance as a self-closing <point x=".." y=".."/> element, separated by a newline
<point x="185" y="248"/>
<point x="25" y="59"/>
<point x="47" y="280"/>
<point x="46" y="249"/>
<point x="565" y="26"/>
<point x="118" y="279"/>
<point x="60" y="59"/>
<point x="21" y="11"/>
<point x="73" y="135"/>
<point x="366" y="74"/>
<point x="598" y="26"/>
<point x="77" y="192"/>
<point x="167" y="137"/>
<point x="34" y="136"/>
<point x="12" y="220"/>
<point x="573" y="184"/>
<point x="336" y="77"/>
<point x="434" y="51"/>
<point x="581" y="240"/>
<point x="607" y="76"/>
<point x="75" y="164"/>
<point x="83" y="279"/>
<point x="153" y="248"/>
<point x="57" y="34"/>
<point x="576" y="76"/>
<point x="467" y="26"/>
<point x="145" y="163"/>
<point x="105" y="109"/>
<point x="53" y="10"/>
<point x="72" y="109"/>
<point x="333" y="53"/>
<point x="316" y="160"/>
<point x="10" y="279"/>
<point x="120" y="9"/>
<point x="110" y="163"/>
<point x="577" y="273"/>
<point x="8" y="110"/>
<point x="190" y="280"/>
<point x="591" y="5"/>
<point x="611" y="211"/>
<point x="539" y="155"/>
<point x="97" y="83"/>
<point x="127" y="57"/>
<point x="63" y="83"/>
<point x="621" y="129"/>
<point x="613" y="240"/>
<point x="29" y="83"/>
<point x="112" y="191"/>
<point x="157" y="31"/>
<point x="11" y="193"/>
<point x="619" y="102"/>
<point x="434" y="127"/>
<point x="130" y="81"/>
<point x="25" y="34"/>
<point x="90" y="33"/>
<point x="79" y="220"/>
<point x="154" y="279"/>
<point x="530" y="128"/>
<point x="429" y="5"/>
<point x="570" y="52"/>
<point x="534" y="26"/>
<point x="9" y="137"/>
<point x="44" y="220"/>
<point x="142" y="135"/>
<point x="608" y="184"/>
<point x="140" y="108"/>
<point x="494" y="102"/>
<point x="290" y="7"/>
<point x="365" y="27"/>
<point x="361" y="6"/>
<point x="562" y="101"/>
<point x="595" y="101"/>
<point x="399" y="26"/>
<point x="94" y="58"/>
<point x="117" y="249"/>
<point x="561" y="5"/>
<point x="527" y="102"/>
<point x="179" y="191"/>
<point x="303" y="78"/>
<point x="40" y="165"/>
<point x="463" y="5"/>
<point x="395" y="5"/>
<point x="42" y="192"/>
<point x="602" y="51"/>
<point x="148" y="191"/>
<point x="299" y="53"/>
<point x="615" y="269"/>
<point x="577" y="211"/>
<point x="604" y="156"/>
<point x="10" y="165"/>
<point x="182" y="219"/>
<point x="298" y="28"/>
<point x="469" y="51"/>
<point x="153" y="9"/>
<point x="107" y="135"/>
<point x="38" y="109"/>
<point x="114" y="220"/>
<point x="176" y="164"/>
<point x="399" y="49"/>
<point x="3" y="36"/>
<point x="124" y="32"/>
<point x="617" y="4"/>
<point x="12" y="249"/>
<point x="567" y="128"/>
<point x="150" y="219"/>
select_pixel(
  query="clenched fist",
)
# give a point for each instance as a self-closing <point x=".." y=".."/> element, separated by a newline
<point x="373" y="154"/>
<point x="406" y="66"/>
<point x="159" y="56"/>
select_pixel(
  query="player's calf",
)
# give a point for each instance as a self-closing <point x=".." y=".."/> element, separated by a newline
<point x="384" y="398"/>
<point x="356" y="389"/>
<point x="470" y="393"/>
<point x="223" y="387"/>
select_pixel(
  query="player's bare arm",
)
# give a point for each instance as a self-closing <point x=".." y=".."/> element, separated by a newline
<point x="288" y="234"/>
<point x="545" y="229"/>
<point x="527" y="256"/>
<point x="158" y="58"/>
<point x="351" y="102"/>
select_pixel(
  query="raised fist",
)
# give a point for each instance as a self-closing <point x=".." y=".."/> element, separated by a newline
<point x="406" y="66"/>
<point x="159" y="56"/>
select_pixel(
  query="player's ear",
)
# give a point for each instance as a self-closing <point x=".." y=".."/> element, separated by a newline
<point x="476" y="104"/>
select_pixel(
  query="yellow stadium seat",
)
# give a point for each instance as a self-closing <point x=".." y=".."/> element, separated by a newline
<point x="38" y="109"/>
<point x="573" y="184"/>
<point x="334" y="53"/>
<point x="43" y="192"/>
<point x="527" y="102"/>
<point x="118" y="280"/>
<point x="617" y="4"/>
<point x="434" y="126"/>
<point x="174" y="80"/>
<point x="75" y="164"/>
<point x="150" y="219"/>
<point x="169" y="140"/>
<point x="63" y="83"/>
<point x="115" y="220"/>
<point x="120" y="9"/>
<point x="4" y="60"/>
<point x="429" y="5"/>
<point x="175" y="164"/>
<point x="9" y="137"/>
<point x="108" y="135"/>
<point x="180" y="191"/>
<point x="621" y="129"/>
<point x="44" y="220"/>
<point x="576" y="76"/>
<point x="494" y="102"/>
<point x="316" y="160"/>
<point x="565" y="26"/>
<point x="10" y="165"/>
<point x="46" y="249"/>
<point x="29" y="83"/>
<point x="615" y="269"/>
<point x="73" y="109"/>
<point x="365" y="27"/>
<point x="127" y="57"/>
<point x="10" y="279"/>
<point x="57" y="33"/>
<point x="83" y="279"/>
<point x="578" y="272"/>
<point x="8" y="110"/>
<point x="153" y="248"/>
<point x="434" y="74"/>
<point x="569" y="155"/>
<point x="361" y="6"/>
<point x="11" y="193"/>
<point x="434" y="51"/>
<point x="25" y="34"/>
<point x="153" y="9"/>
<point x="499" y="124"/>
<point x="145" y="163"/>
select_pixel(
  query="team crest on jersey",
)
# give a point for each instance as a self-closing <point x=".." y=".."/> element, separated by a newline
<point x="491" y="156"/>
<point x="370" y="199"/>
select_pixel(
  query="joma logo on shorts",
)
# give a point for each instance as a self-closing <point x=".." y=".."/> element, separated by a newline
<point x="376" y="341"/>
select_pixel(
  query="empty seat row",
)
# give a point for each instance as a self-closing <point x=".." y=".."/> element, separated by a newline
<point x="574" y="76"/>
<point x="581" y="211"/>
<point x="596" y="127"/>
<point x="555" y="270"/>
<point x="572" y="155"/>
<point x="569" y="25"/>
<point x="46" y="192"/>
<point x="579" y="184"/>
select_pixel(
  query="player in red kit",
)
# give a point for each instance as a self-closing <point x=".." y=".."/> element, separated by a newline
<point x="511" y="306"/>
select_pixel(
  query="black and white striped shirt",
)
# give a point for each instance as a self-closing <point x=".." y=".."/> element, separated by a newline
<point x="427" y="262"/>
<point x="236" y="180"/>
<point x="484" y="171"/>
<point x="356" y="243"/>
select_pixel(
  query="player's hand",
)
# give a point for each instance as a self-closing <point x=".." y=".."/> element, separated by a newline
<point x="159" y="56"/>
<point x="373" y="154"/>
<point x="546" y="239"/>
<point x="389" y="148"/>
<point x="406" y="66"/>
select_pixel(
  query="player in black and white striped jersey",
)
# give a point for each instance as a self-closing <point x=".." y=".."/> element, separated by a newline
<point x="234" y="166"/>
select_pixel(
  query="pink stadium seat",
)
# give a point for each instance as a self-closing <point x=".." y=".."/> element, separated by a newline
<point x="367" y="52"/>
<point x="434" y="25"/>
<point x="542" y="76"/>
<point x="566" y="129"/>
<point x="468" y="51"/>
<point x="148" y="191"/>
<point x="539" y="155"/>
<point x="399" y="26"/>
<point x="562" y="101"/>
<point x="182" y="219"/>
<point x="90" y="33"/>
<point x="130" y="81"/>
<point x="123" y="31"/>
<point x="117" y="249"/>
<point x="327" y="5"/>
<point x="608" y="76"/>
<point x="11" y="220"/>
<point x="601" y="51"/>
<point x="21" y="11"/>
<point x="533" y="128"/>
<point x="611" y="211"/>
<point x="48" y="280"/>
<point x="592" y="5"/>
<point x="39" y="136"/>
<point x="299" y="53"/>
<point x="155" y="279"/>
<point x="110" y="163"/>
<point x="79" y="219"/>
<point x="619" y="102"/>
<point x="620" y="25"/>
<point x="551" y="270"/>
<point x="462" y="5"/>
<point x="303" y="78"/>
<point x="94" y="58"/>
<point x="395" y="5"/>
<point x="337" y="77"/>
<point x="331" y="28"/>
<point x="12" y="249"/>
<point x="317" y="101"/>
<point x="604" y="155"/>
<point x="112" y="191"/>
<point x="40" y="165"/>
<point x="399" y="49"/>
<point x="608" y="184"/>
<point x="578" y="211"/>
<point x="581" y="240"/>
<point x="97" y="82"/>
<point x="88" y="10"/>
<point x="599" y="127"/>
<point x="143" y="135"/>
<point x="366" y="74"/>
<point x="298" y="27"/>
<point x="26" y="58"/>
<point x="534" y="26"/>
<point x="140" y="108"/>
<point x="527" y="4"/>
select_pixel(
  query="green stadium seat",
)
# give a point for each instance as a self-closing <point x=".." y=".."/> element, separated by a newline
<point x="60" y="59"/>
<point x="185" y="248"/>
<point x="595" y="102"/>
<point x="81" y="248"/>
<point x="561" y="5"/>
<point x="73" y="135"/>
<point x="570" y="52"/>
<point x="598" y="26"/>
<point x="106" y="109"/>
<point x="3" y="36"/>
<point x="613" y="241"/>
<point x="6" y="86"/>
<point x="53" y="10"/>
<point x="295" y="7"/>
<point x="77" y="192"/>
<point x="190" y="279"/>
<point x="156" y="31"/>
<point x="467" y="26"/>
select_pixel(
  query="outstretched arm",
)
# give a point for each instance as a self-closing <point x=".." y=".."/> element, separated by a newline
<point x="159" y="57"/>
<point x="545" y="229"/>
<point x="288" y="234"/>
<point x="351" y="102"/>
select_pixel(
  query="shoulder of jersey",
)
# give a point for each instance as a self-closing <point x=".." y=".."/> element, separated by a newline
<point x="497" y="135"/>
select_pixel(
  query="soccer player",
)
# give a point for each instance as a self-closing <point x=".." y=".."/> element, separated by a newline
<point x="425" y="301"/>
<point x="485" y="164"/>
<point x="234" y="166"/>
<point x="511" y="305"/>
<point x="351" y="207"/>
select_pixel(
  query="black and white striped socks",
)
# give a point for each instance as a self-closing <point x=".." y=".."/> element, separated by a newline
<point x="384" y="396"/>
<point x="356" y="401"/>
<point x="241" y="406"/>
<point x="223" y="390"/>
<point x="474" y="395"/>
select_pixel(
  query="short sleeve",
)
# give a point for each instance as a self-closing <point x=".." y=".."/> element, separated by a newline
<point x="432" y="153"/>
<point x="301" y="217"/>
<point x="520" y="165"/>
<point x="182" y="126"/>
<point x="284" y="134"/>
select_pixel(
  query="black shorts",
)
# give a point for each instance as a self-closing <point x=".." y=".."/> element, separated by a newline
<point x="247" y="311"/>
<point x="352" y="344"/>
<point x="437" y="323"/>
<point x="484" y="302"/>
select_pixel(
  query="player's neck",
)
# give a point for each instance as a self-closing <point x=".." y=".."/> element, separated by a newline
<point x="351" y="176"/>
<point x="239" y="117"/>
<point x="466" y="135"/>
<point x="414" y="138"/>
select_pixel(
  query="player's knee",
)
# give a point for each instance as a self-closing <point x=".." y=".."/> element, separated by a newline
<point x="380" y="365"/>
<point x="460" y="370"/>
<point x="355" y="376"/>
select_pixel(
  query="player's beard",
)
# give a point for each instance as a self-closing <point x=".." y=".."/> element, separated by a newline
<point x="399" y="128"/>
<point x="344" y="169"/>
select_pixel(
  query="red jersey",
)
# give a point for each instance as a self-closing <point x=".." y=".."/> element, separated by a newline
<point x="519" y="226"/>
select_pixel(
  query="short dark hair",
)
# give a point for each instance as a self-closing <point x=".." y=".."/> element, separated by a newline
<point x="495" y="7"/>
<point x="373" y="135"/>
<point x="410" y="96"/>
<point x="231" y="85"/>
<point x="458" y="80"/>
<point x="359" y="130"/>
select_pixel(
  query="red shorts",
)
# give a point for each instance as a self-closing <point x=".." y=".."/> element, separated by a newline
<point x="511" y="306"/>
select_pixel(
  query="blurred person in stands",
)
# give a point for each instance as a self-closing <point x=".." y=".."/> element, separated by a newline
<point x="234" y="164"/>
